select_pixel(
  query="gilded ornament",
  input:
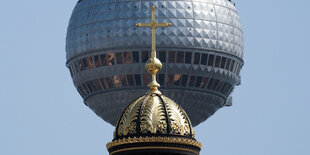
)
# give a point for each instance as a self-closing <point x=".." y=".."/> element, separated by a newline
<point x="153" y="117"/>
<point x="179" y="124"/>
<point x="177" y="140"/>
<point x="127" y="123"/>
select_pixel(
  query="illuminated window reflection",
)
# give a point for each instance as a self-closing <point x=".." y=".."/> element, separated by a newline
<point x="98" y="84"/>
<point x="127" y="57"/>
<point x="119" y="58"/>
<point x="116" y="81"/>
<point x="146" y="79"/>
<point x="85" y="64"/>
<point x="123" y="80"/>
<point x="204" y="82"/>
<point x="85" y="89"/>
<point x="177" y="79"/>
<point x="111" y="59"/>
<point x="90" y="62"/>
<point x="169" y="79"/>
<point x="104" y="83"/>
<point x="104" y="61"/>
<point x="109" y="80"/>
<point x="80" y="65"/>
<point x="198" y="81"/>
<point x="172" y="57"/>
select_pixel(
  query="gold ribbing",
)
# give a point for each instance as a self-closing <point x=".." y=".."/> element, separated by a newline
<point x="153" y="65"/>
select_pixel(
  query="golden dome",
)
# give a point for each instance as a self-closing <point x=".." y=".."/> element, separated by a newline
<point x="153" y="114"/>
<point x="157" y="122"/>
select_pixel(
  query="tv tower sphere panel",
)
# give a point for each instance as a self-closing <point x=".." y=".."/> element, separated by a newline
<point x="202" y="53"/>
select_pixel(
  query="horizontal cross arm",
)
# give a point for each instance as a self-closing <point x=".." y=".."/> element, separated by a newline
<point x="163" y="24"/>
<point x="143" y="25"/>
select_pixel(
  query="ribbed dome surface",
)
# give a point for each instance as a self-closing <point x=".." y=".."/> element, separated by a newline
<point x="154" y="124"/>
<point x="151" y="115"/>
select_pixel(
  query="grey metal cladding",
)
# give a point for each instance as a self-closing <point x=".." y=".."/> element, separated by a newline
<point x="110" y="24"/>
<point x="209" y="27"/>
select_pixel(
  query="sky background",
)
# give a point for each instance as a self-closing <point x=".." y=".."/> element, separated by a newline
<point x="41" y="113"/>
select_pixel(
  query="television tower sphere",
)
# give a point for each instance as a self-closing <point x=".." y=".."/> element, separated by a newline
<point x="201" y="53"/>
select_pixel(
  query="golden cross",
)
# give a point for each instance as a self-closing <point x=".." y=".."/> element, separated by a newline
<point x="153" y="25"/>
<point x="153" y="65"/>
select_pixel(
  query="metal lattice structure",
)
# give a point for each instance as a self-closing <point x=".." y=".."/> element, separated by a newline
<point x="202" y="53"/>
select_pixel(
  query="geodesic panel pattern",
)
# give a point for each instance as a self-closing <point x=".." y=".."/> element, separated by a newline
<point x="107" y="25"/>
<point x="201" y="53"/>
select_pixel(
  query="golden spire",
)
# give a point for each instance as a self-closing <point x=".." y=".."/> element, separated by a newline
<point x="153" y="65"/>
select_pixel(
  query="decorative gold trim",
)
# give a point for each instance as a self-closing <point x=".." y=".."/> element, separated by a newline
<point x="153" y="118"/>
<point x="154" y="147"/>
<point x="179" y="124"/>
<point x="175" y="140"/>
<point x="127" y="124"/>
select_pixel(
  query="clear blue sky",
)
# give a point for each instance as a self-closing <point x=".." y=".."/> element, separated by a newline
<point x="41" y="113"/>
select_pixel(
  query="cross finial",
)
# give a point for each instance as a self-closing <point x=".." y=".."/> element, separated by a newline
<point x="153" y="65"/>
